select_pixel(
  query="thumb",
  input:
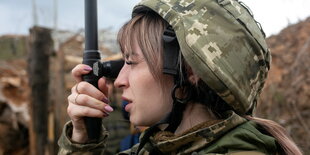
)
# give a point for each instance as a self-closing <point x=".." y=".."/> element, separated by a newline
<point x="103" y="86"/>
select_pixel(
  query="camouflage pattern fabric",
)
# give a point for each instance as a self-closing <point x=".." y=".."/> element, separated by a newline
<point x="198" y="139"/>
<point x="223" y="44"/>
<point x="66" y="146"/>
<point x="115" y="129"/>
<point x="233" y="135"/>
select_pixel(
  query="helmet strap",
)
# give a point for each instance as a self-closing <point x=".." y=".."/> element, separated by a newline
<point x="171" y="52"/>
<point x="172" y="67"/>
<point x="174" y="117"/>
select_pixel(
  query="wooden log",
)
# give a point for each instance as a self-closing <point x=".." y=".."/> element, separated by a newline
<point x="41" y="45"/>
<point x="58" y="115"/>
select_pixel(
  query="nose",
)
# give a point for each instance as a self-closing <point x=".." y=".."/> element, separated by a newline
<point x="122" y="79"/>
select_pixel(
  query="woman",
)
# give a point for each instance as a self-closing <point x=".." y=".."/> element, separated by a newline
<point x="193" y="73"/>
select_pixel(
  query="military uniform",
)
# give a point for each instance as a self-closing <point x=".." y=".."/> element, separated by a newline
<point x="234" y="135"/>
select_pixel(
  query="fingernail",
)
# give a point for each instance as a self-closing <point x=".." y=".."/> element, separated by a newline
<point x="105" y="100"/>
<point x="106" y="114"/>
<point x="87" y="68"/>
<point x="108" y="108"/>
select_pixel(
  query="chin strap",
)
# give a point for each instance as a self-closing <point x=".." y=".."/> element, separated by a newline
<point x="171" y="66"/>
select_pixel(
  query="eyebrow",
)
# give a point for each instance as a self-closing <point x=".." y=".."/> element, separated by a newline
<point x="128" y="54"/>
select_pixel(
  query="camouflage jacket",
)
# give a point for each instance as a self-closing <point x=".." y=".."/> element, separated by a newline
<point x="234" y="135"/>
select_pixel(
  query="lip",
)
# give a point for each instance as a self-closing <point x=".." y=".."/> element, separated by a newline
<point x="126" y="99"/>
<point x="128" y="106"/>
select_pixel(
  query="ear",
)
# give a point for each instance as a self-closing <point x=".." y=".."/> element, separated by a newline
<point x="192" y="77"/>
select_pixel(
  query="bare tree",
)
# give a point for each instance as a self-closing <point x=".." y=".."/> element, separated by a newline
<point x="56" y="41"/>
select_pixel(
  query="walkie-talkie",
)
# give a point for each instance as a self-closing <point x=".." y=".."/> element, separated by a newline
<point x="91" y="57"/>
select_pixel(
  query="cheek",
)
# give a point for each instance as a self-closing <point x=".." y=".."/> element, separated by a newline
<point x="150" y="110"/>
<point x="142" y="82"/>
<point x="151" y="104"/>
<point x="151" y="101"/>
<point x="156" y="101"/>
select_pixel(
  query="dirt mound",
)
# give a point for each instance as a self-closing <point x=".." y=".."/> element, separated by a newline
<point x="14" y="114"/>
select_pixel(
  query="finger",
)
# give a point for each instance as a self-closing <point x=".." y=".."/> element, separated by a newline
<point x="88" y="101"/>
<point x="77" y="112"/>
<point x="88" y="89"/>
<point x="79" y="70"/>
<point x="102" y="84"/>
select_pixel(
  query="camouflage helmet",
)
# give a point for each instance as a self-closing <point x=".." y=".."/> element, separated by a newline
<point x="222" y="43"/>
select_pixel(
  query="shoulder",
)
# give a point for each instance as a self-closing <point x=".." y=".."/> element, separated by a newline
<point x="239" y="153"/>
<point x="247" y="136"/>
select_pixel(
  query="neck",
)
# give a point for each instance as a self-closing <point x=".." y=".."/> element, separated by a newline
<point x="193" y="115"/>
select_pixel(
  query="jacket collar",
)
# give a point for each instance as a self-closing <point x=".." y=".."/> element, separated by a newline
<point x="195" y="138"/>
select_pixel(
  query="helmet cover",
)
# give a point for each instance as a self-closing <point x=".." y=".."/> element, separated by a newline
<point x="222" y="43"/>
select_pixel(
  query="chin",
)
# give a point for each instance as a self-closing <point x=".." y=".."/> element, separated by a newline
<point x="138" y="122"/>
<point x="134" y="121"/>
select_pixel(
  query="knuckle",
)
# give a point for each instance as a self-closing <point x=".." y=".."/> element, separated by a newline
<point x="85" y="111"/>
<point x="83" y="86"/>
<point x="82" y="98"/>
<point x="73" y="71"/>
<point x="69" y="97"/>
<point x="73" y="89"/>
<point x="69" y="110"/>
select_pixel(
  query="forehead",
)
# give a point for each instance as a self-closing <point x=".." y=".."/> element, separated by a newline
<point x="133" y="53"/>
<point x="130" y="55"/>
<point x="131" y="38"/>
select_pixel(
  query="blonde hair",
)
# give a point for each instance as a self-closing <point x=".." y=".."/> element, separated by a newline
<point x="279" y="133"/>
<point x="147" y="30"/>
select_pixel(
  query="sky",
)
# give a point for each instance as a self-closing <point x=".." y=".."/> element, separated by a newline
<point x="16" y="16"/>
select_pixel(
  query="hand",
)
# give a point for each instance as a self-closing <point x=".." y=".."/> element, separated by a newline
<point x="86" y="100"/>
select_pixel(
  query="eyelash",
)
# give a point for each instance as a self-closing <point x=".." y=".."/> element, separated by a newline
<point x="129" y="62"/>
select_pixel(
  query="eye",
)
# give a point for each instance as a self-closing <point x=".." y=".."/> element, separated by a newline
<point x="129" y="62"/>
